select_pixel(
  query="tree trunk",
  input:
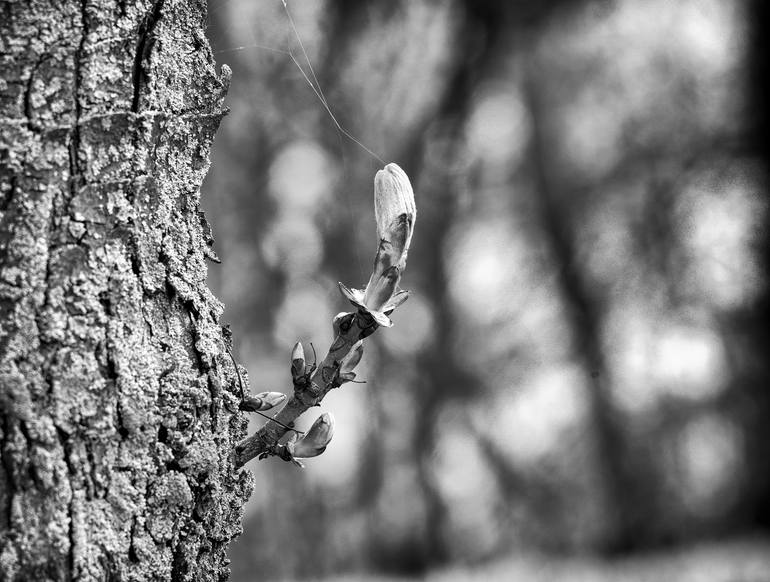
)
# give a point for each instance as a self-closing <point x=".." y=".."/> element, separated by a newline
<point x="118" y="400"/>
<point x="624" y="510"/>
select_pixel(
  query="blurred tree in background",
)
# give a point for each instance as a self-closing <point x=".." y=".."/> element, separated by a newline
<point x="581" y="367"/>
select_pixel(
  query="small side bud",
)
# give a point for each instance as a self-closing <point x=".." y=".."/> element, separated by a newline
<point x="350" y="361"/>
<point x="297" y="361"/>
<point x="316" y="439"/>
<point x="341" y="322"/>
<point x="271" y="399"/>
<point x="262" y="401"/>
<point x="340" y="326"/>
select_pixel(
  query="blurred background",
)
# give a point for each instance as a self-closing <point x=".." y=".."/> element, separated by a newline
<point x="577" y="388"/>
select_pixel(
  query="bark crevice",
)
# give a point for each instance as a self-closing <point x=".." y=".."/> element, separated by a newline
<point x="143" y="47"/>
<point x="64" y="437"/>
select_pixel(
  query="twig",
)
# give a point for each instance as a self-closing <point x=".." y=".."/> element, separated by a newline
<point x="395" y="214"/>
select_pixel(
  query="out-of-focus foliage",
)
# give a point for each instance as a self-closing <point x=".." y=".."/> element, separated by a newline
<point x="580" y="367"/>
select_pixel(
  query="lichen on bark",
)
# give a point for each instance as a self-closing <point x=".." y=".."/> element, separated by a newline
<point x="118" y="400"/>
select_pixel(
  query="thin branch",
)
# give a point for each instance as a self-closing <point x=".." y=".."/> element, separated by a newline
<point x="395" y="213"/>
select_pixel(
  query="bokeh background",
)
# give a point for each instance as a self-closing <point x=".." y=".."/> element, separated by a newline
<point x="578" y="387"/>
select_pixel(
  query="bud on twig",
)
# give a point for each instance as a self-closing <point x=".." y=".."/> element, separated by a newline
<point x="262" y="401"/>
<point x="350" y="361"/>
<point x="315" y="440"/>
<point x="395" y="213"/>
<point x="297" y="361"/>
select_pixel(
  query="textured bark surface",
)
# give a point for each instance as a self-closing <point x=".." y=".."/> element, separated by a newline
<point x="118" y="400"/>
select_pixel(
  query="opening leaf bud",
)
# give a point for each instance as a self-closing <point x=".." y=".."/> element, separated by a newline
<point x="395" y="213"/>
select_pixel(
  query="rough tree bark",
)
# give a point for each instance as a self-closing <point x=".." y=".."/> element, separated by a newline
<point x="118" y="400"/>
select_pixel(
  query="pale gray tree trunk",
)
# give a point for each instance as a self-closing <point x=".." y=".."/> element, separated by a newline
<point x="118" y="400"/>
